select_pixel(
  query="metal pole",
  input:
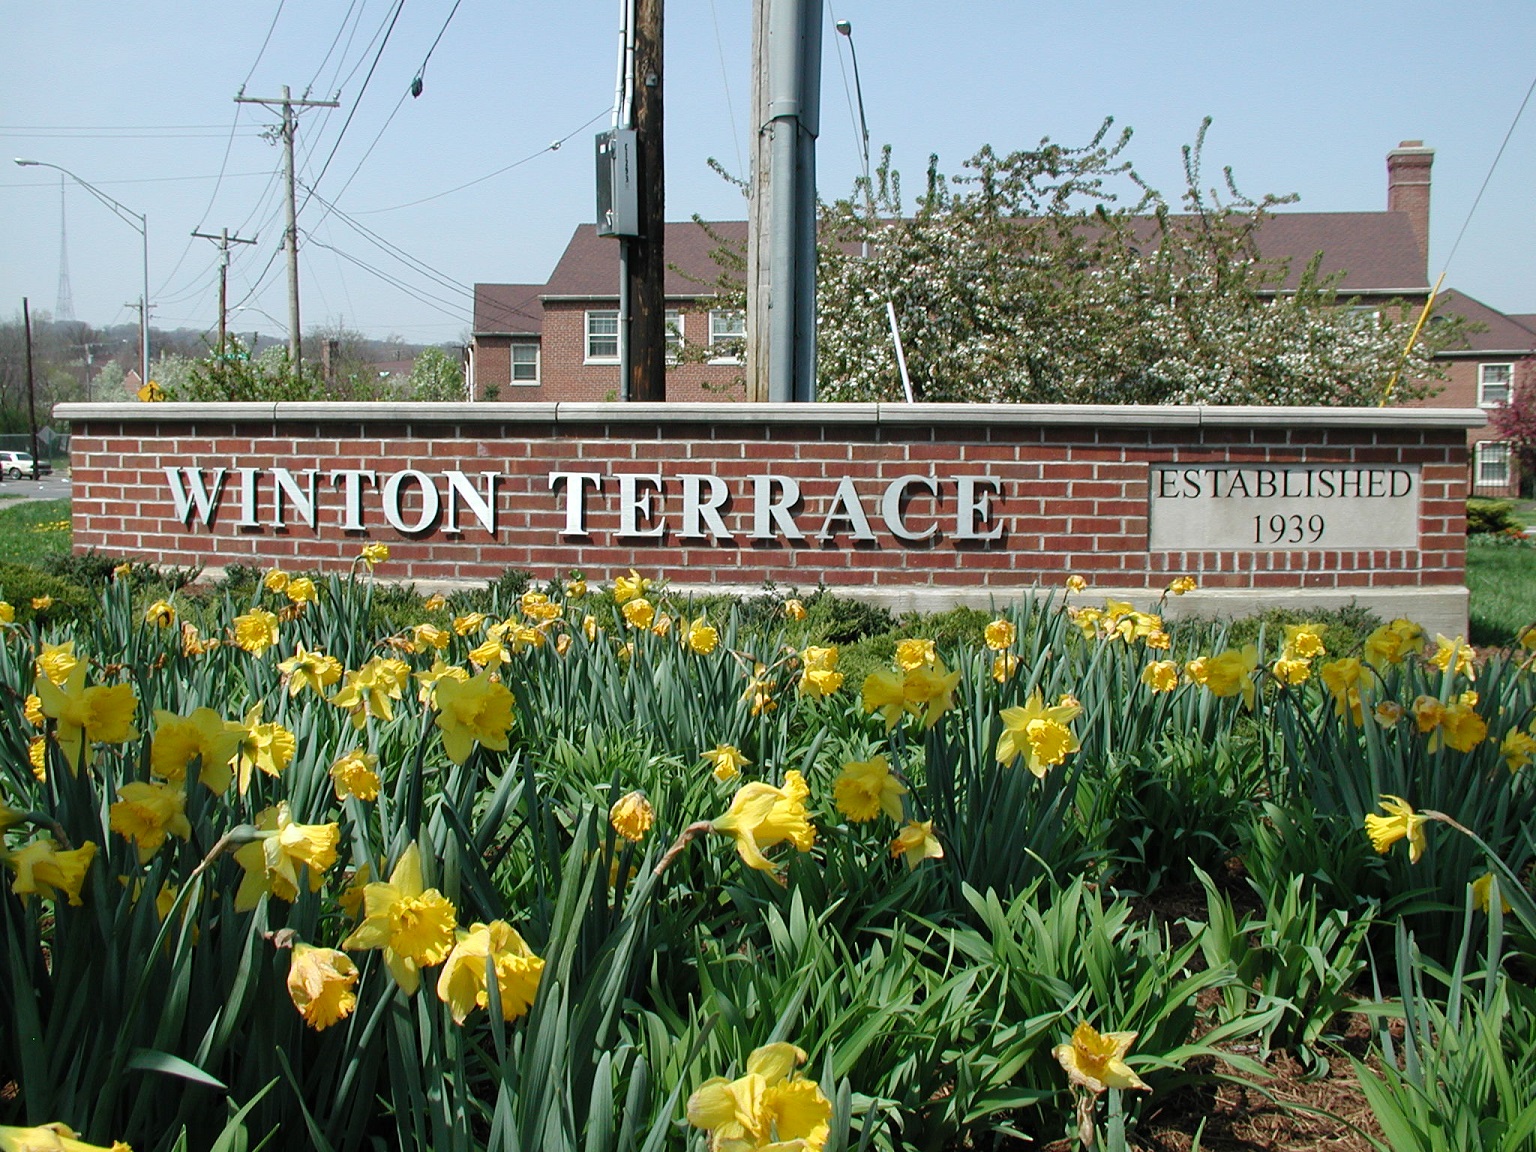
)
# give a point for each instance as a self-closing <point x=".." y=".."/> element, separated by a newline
<point x="292" y="240"/>
<point x="26" y="319"/>
<point x="144" y="310"/>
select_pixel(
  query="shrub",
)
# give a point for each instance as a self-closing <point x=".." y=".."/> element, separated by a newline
<point x="1491" y="516"/>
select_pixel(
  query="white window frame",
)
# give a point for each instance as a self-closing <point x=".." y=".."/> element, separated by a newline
<point x="719" y="336"/>
<point x="512" y="364"/>
<point x="1491" y="455"/>
<point x="1484" y="388"/>
<point x="604" y="314"/>
<point x="675" y="334"/>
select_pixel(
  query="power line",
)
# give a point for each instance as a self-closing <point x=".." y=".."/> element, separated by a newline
<point x="421" y="267"/>
<point x="554" y="147"/>
<point x="446" y="307"/>
<point x="146" y="180"/>
<point x="335" y="40"/>
<point x="262" y="51"/>
<point x="1499" y="155"/>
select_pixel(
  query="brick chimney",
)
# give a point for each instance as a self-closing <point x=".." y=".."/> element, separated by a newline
<point x="1408" y="168"/>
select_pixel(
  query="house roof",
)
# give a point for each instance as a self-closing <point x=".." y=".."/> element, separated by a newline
<point x="1501" y="334"/>
<point x="1374" y="251"/>
<point x="590" y="265"/>
<point x="509" y="309"/>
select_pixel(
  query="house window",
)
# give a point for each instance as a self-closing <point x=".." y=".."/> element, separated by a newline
<point x="1493" y="381"/>
<point x="1492" y="462"/>
<point x="603" y="337"/>
<point x="525" y="363"/>
<point x="727" y="326"/>
<point x="674" y="321"/>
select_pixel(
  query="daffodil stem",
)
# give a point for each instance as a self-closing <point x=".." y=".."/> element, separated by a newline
<point x="693" y="830"/>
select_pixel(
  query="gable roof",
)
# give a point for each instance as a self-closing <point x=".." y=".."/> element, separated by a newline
<point x="1501" y="335"/>
<point x="589" y="268"/>
<point x="1376" y="252"/>
<point x="509" y="309"/>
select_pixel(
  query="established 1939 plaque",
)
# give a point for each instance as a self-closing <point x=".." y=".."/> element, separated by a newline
<point x="1282" y="508"/>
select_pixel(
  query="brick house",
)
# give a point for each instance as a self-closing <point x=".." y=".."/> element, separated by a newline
<point x="558" y="341"/>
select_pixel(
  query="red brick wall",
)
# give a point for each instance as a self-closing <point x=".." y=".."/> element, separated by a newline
<point x="1073" y="489"/>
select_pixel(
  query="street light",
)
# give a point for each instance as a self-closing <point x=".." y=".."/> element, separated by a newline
<point x="137" y="220"/>
<point x="845" y="28"/>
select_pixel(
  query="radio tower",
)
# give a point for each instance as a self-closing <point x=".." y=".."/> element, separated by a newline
<point x="65" y="308"/>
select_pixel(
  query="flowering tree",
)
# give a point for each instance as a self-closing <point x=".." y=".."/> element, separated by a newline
<point x="1057" y="275"/>
<point x="1515" y="420"/>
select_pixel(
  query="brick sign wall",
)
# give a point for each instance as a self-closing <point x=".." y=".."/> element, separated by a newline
<point x="979" y="499"/>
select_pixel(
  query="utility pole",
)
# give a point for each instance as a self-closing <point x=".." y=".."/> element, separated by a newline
<point x="291" y="235"/>
<point x="781" y="244"/>
<point x="224" y="240"/>
<point x="26" y="320"/>
<point x="646" y="265"/>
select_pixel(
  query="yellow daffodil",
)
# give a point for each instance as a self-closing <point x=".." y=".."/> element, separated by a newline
<point x="1304" y="641"/>
<point x="305" y="669"/>
<point x="759" y="691"/>
<point x="1183" y="584"/>
<point x="160" y="614"/>
<point x="631" y="587"/>
<point x="702" y="637"/>
<point x="1230" y="673"/>
<point x="434" y="602"/>
<point x="350" y="899"/>
<point x="271" y="862"/>
<point x="425" y="636"/>
<point x="427" y="691"/>
<point x="32" y="710"/>
<point x="575" y="588"/>
<point x="1038" y="733"/>
<point x="275" y="580"/>
<point x="632" y="816"/>
<point x="411" y="923"/>
<point x="916" y="843"/>
<point x="930" y="691"/>
<point x="1342" y="679"/>
<point x="1482" y="895"/>
<point x="1401" y="821"/>
<point x="146" y="813"/>
<point x="489" y="655"/>
<point x="794" y="609"/>
<point x="1096" y="1061"/>
<point x="1004" y="665"/>
<point x="865" y="788"/>
<point x="1159" y="639"/>
<point x="97" y="715"/>
<point x="373" y="554"/>
<point x="725" y="761"/>
<point x="57" y="1137"/>
<point x="256" y="631"/>
<point x="355" y="773"/>
<point x="1292" y="671"/>
<point x="1000" y="634"/>
<point x="192" y="642"/>
<point x="1518" y="748"/>
<point x="819" y="676"/>
<point x="1453" y="656"/>
<point x="7" y="612"/>
<point x="369" y="690"/>
<point x="1075" y="583"/>
<point x="204" y="737"/>
<point x="771" y="1107"/>
<point x="43" y="870"/>
<point x="1392" y="643"/>
<point x="915" y="653"/>
<point x="1161" y="676"/>
<point x="267" y="746"/>
<point x="37" y="756"/>
<point x="10" y="817"/>
<point x="473" y="622"/>
<point x="761" y="816"/>
<point x="473" y="711"/>
<point x="301" y="590"/>
<point x="57" y="661"/>
<point x="1388" y="713"/>
<point x="320" y="982"/>
<point x="1460" y="727"/>
<point x="639" y="612"/>
<point x="499" y="947"/>
<point x="42" y="603"/>
<point x="885" y="692"/>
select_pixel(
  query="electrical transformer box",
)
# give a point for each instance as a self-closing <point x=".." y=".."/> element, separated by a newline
<point x="618" y="183"/>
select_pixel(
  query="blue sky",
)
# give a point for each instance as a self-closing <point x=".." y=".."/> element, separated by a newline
<point x="1306" y="97"/>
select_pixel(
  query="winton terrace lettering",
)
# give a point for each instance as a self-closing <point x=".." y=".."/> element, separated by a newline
<point x="1257" y="507"/>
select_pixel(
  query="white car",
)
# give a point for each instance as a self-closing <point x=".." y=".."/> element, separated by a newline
<point x="15" y="465"/>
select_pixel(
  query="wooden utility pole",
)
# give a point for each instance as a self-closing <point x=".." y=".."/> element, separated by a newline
<point x="224" y="240"/>
<point x="647" y="258"/>
<point x="291" y="234"/>
<point x="26" y="321"/>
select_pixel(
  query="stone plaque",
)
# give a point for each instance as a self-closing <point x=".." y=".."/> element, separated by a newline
<point x="1282" y="507"/>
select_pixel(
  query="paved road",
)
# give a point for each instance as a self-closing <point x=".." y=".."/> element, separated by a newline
<point x="52" y="487"/>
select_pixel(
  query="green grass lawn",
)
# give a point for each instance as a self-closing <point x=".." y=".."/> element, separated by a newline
<point x="33" y="530"/>
<point x="1503" y="585"/>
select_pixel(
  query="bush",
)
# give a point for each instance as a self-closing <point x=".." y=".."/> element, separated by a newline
<point x="21" y="585"/>
<point x="1491" y="516"/>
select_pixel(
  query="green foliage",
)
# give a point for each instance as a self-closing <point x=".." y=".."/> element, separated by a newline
<point x="1501" y="575"/>
<point x="1491" y="516"/>
<point x="21" y="585"/>
<point x="34" y="531"/>
<point x="436" y="376"/>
